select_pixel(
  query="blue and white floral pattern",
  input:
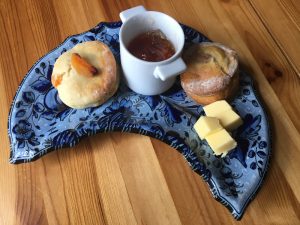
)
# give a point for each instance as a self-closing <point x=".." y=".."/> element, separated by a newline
<point x="39" y="123"/>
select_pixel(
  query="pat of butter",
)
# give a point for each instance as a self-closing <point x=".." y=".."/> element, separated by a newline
<point x="215" y="108"/>
<point x="229" y="119"/>
<point x="206" y="126"/>
<point x="221" y="142"/>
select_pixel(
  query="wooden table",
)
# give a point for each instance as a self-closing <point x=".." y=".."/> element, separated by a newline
<point x="132" y="179"/>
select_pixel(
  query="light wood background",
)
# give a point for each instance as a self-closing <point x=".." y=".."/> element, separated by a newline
<point x="131" y="179"/>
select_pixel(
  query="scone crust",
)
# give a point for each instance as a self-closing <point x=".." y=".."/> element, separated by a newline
<point x="212" y="72"/>
<point x="78" y="91"/>
<point x="226" y="93"/>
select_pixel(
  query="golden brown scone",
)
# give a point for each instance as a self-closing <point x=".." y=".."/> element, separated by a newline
<point x="86" y="75"/>
<point x="212" y="72"/>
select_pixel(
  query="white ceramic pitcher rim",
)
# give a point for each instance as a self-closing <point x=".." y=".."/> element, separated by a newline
<point x="173" y="57"/>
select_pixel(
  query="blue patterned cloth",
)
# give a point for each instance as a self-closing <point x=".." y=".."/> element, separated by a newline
<point x="40" y="123"/>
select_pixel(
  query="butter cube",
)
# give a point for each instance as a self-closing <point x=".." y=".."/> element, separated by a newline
<point x="221" y="142"/>
<point x="206" y="126"/>
<point x="215" y="108"/>
<point x="229" y="119"/>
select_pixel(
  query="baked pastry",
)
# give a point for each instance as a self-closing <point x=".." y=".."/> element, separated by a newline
<point x="212" y="72"/>
<point x="86" y="75"/>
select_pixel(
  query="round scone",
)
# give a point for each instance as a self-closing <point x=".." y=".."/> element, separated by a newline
<point x="212" y="72"/>
<point x="86" y="75"/>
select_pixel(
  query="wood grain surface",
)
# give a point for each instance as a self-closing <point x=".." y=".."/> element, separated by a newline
<point x="120" y="178"/>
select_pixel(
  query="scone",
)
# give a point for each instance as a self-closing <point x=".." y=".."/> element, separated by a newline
<point x="212" y="72"/>
<point x="86" y="75"/>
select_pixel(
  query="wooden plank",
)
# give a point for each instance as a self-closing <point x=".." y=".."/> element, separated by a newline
<point x="113" y="191"/>
<point x="283" y="23"/>
<point x="53" y="190"/>
<point x="8" y="187"/>
<point x="90" y="183"/>
<point x="69" y="186"/>
<point x="21" y="201"/>
<point x="146" y="185"/>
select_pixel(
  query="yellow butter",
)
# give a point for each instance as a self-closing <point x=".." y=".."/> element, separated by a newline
<point x="215" y="108"/>
<point x="229" y="119"/>
<point x="206" y="126"/>
<point x="221" y="142"/>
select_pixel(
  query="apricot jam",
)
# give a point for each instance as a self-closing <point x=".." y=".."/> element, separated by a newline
<point x="152" y="46"/>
